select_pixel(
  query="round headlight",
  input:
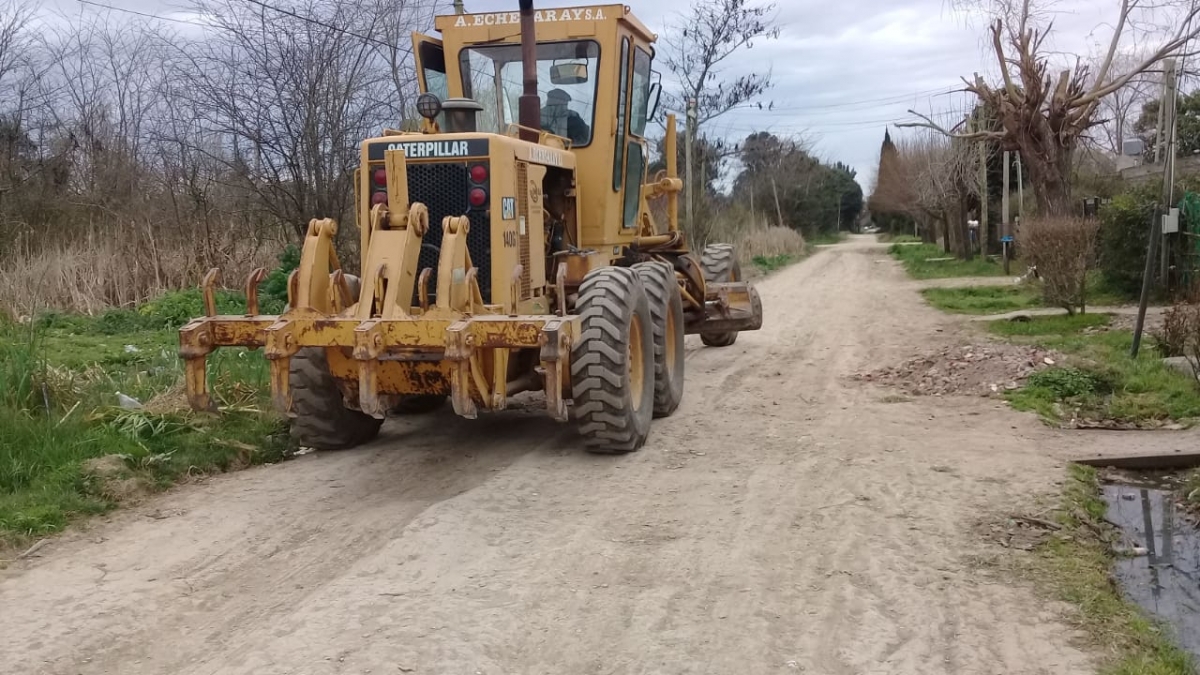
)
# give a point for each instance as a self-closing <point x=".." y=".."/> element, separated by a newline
<point x="428" y="106"/>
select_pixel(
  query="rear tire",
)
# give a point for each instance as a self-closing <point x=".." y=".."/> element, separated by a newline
<point x="666" y="311"/>
<point x="321" y="419"/>
<point x="612" y="365"/>
<point x="720" y="265"/>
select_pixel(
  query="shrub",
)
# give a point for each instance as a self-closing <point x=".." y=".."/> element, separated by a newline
<point x="1180" y="333"/>
<point x="1062" y="249"/>
<point x="1171" y="339"/>
<point x="172" y="310"/>
<point x="1124" y="224"/>
<point x="1067" y="382"/>
<point x="274" y="293"/>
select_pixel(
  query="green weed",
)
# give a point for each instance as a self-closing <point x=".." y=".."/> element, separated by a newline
<point x="1129" y="390"/>
<point x="827" y="238"/>
<point x="983" y="299"/>
<point x="59" y="378"/>
<point x="1049" y="325"/>
<point x="772" y="262"/>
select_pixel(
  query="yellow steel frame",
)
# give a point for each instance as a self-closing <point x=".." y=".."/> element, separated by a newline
<point x="474" y="341"/>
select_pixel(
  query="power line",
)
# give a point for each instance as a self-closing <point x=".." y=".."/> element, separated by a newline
<point x="897" y="98"/>
<point x="311" y="20"/>
<point x="133" y="11"/>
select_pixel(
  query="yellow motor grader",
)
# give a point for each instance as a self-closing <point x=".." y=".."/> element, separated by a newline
<point x="507" y="246"/>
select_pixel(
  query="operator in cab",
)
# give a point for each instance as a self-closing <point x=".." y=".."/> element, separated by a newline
<point x="558" y="118"/>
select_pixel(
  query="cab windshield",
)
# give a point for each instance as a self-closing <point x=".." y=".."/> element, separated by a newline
<point x="566" y="86"/>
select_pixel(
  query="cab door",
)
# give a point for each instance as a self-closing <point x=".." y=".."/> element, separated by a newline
<point x="635" y="140"/>
<point x="432" y="77"/>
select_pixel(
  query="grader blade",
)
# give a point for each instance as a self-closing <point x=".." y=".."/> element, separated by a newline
<point x="735" y="306"/>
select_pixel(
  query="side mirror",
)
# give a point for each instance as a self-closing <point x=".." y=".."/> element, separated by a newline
<point x="652" y="101"/>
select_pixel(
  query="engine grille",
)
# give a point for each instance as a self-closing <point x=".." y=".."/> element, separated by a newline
<point x="442" y="187"/>
<point x="523" y="214"/>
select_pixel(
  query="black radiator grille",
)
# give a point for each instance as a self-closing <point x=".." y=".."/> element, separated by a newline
<point x="442" y="188"/>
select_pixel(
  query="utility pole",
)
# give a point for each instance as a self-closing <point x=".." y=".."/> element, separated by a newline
<point x="1168" y="121"/>
<point x="983" y="187"/>
<point x="687" y="152"/>
<point x="778" y="211"/>
<point x="1164" y="152"/>
<point x="982" y="124"/>
<point x="1020" y="191"/>
<point x="1005" y="232"/>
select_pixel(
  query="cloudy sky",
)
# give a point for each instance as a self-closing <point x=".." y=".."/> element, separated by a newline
<point x="843" y="70"/>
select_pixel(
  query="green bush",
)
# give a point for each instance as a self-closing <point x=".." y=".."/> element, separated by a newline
<point x="274" y="294"/>
<point x="1067" y="382"/>
<point x="1124" y="224"/>
<point x="174" y="309"/>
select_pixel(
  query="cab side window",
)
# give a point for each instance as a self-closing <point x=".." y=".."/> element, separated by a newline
<point x="641" y="92"/>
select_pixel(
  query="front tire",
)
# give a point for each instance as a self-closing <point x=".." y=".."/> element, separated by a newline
<point x="321" y="419"/>
<point x="612" y="365"/>
<point x="720" y="265"/>
<point x="666" y="311"/>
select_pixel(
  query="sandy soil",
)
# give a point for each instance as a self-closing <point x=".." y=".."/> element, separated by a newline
<point x="787" y="519"/>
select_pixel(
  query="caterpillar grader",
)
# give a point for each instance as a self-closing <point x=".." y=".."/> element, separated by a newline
<point x="506" y="246"/>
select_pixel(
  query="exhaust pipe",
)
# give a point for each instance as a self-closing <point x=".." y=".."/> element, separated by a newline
<point x="529" y="105"/>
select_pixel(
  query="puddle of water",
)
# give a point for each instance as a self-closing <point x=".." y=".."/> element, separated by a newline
<point x="1165" y="581"/>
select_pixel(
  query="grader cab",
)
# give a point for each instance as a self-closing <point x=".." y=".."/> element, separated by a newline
<point x="508" y="246"/>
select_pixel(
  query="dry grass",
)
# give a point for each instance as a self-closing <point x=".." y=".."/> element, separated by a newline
<point x="753" y="237"/>
<point x="98" y="272"/>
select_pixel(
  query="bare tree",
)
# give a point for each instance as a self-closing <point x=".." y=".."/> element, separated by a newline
<point x="1119" y="110"/>
<point x="1043" y="115"/>
<point x="289" y="96"/>
<point x="697" y="47"/>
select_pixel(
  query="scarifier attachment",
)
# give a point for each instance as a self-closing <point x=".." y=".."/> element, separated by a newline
<point x="378" y="346"/>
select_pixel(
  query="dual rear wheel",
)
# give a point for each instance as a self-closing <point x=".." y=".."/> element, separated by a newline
<point x="626" y="369"/>
<point x="627" y="366"/>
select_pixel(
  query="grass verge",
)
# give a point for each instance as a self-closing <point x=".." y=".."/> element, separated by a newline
<point x="770" y="263"/>
<point x="1075" y="564"/>
<point x="69" y="449"/>
<point x="826" y="238"/>
<point x="1099" y="382"/>
<point x="984" y="299"/>
<point x="899" y="238"/>
<point x="927" y="261"/>
<point x="1002" y="299"/>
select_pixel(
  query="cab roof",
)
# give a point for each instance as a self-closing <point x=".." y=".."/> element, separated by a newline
<point x="565" y="22"/>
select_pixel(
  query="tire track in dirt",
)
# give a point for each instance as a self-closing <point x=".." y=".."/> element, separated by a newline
<point x="784" y="520"/>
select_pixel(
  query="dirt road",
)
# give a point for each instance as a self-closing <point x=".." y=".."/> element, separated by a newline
<point x="787" y="519"/>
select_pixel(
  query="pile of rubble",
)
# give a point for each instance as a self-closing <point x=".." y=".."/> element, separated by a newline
<point x="971" y="370"/>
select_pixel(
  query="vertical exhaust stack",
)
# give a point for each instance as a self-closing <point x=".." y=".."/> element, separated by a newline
<point x="529" y="106"/>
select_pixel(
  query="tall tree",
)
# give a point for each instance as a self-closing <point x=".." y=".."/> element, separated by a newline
<point x="1043" y="115"/>
<point x="1187" y="121"/>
